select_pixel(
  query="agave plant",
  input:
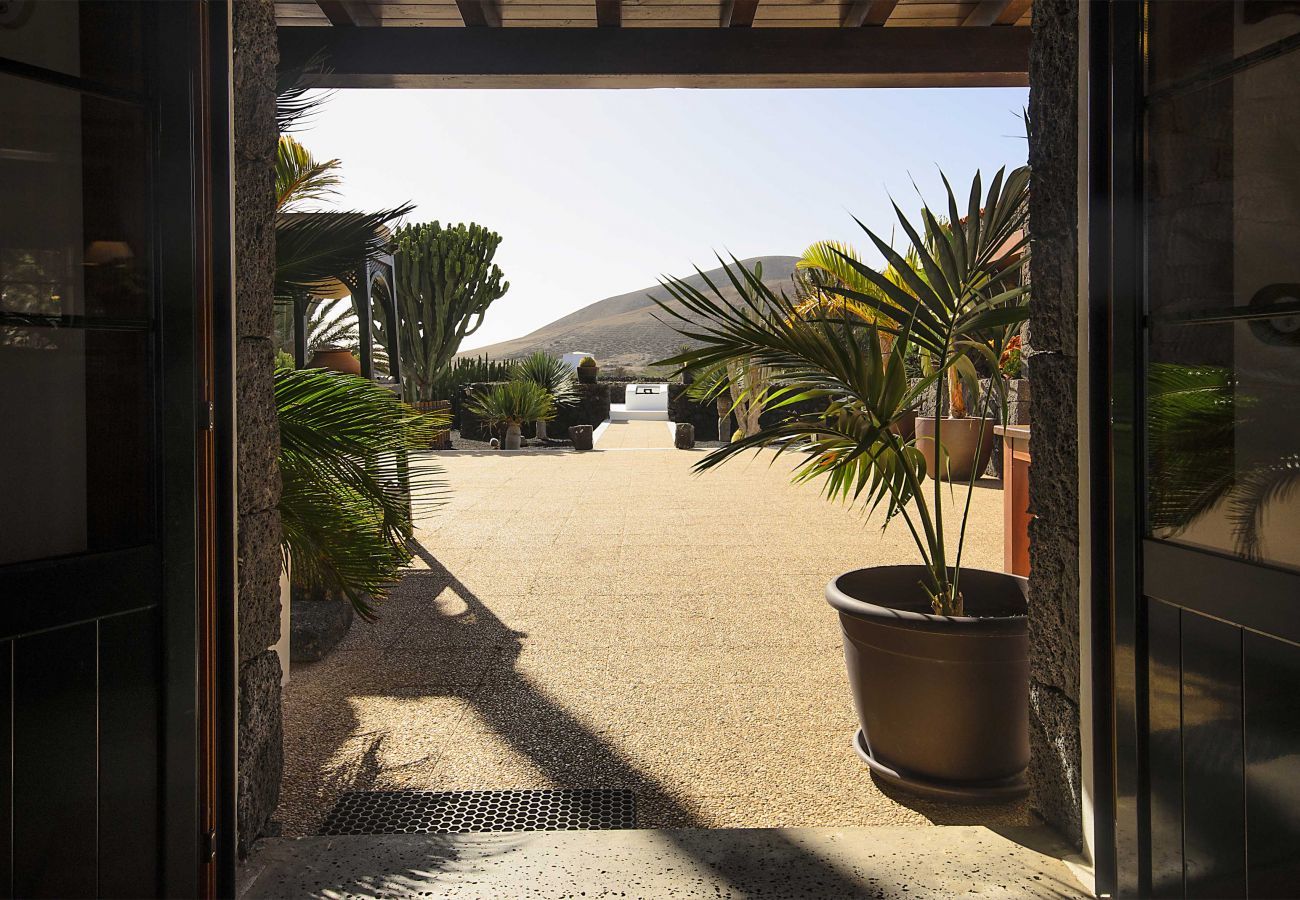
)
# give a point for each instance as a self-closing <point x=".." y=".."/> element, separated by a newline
<point x="552" y="375"/>
<point x="350" y="495"/>
<point x="512" y="403"/>
<point x="956" y="297"/>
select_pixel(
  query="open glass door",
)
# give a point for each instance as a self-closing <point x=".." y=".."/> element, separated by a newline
<point x="107" y="548"/>
<point x="1212" y="613"/>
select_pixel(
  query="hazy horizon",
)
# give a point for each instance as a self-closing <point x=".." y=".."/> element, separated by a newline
<point x="599" y="192"/>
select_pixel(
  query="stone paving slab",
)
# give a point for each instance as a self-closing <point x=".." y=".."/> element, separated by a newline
<point x="888" y="863"/>
<point x="591" y="620"/>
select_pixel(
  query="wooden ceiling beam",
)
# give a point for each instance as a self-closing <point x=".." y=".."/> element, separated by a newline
<point x="661" y="57"/>
<point x="985" y="13"/>
<point x="737" y="13"/>
<point x="609" y="13"/>
<point x="861" y="13"/>
<point x="480" y="13"/>
<point x="1014" y="12"/>
<point x="347" y="13"/>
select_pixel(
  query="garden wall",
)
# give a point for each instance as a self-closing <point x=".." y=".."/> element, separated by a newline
<point x="591" y="409"/>
<point x="1052" y="357"/>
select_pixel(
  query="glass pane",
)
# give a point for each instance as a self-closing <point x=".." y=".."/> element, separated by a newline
<point x="99" y="41"/>
<point x="74" y="229"/>
<point x="1189" y="37"/>
<point x="1224" y="390"/>
<point x="74" y="440"/>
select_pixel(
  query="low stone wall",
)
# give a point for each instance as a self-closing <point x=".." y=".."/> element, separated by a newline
<point x="591" y="409"/>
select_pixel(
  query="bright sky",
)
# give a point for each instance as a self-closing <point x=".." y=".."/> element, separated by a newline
<point x="598" y="193"/>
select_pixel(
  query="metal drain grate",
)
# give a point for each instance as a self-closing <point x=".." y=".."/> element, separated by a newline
<point x="456" y="812"/>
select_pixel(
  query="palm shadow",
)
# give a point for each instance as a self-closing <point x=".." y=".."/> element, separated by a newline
<point x="570" y="753"/>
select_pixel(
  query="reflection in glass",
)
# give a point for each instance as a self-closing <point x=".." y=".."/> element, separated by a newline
<point x="73" y="238"/>
<point x="1223" y="279"/>
<point x="75" y="441"/>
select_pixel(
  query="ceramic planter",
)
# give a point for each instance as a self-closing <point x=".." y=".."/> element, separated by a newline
<point x="587" y="374"/>
<point x="905" y="425"/>
<point x="942" y="701"/>
<point x="336" y="358"/>
<point x="969" y="444"/>
<point x="514" y="438"/>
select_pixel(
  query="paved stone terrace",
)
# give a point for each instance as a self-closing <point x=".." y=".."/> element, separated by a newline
<point x="609" y="619"/>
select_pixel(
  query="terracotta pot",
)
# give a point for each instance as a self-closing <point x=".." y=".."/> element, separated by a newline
<point x="905" y="425"/>
<point x="336" y="358"/>
<point x="942" y="701"/>
<point x="968" y="442"/>
<point x="514" y="438"/>
<point x="587" y="374"/>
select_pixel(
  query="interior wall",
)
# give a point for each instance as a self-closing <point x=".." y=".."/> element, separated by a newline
<point x="1054" y="480"/>
<point x="260" y="757"/>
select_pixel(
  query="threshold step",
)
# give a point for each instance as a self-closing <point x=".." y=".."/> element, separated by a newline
<point x="825" y="863"/>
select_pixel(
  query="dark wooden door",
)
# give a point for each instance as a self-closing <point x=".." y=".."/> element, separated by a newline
<point x="1205" y="340"/>
<point x="105" y="542"/>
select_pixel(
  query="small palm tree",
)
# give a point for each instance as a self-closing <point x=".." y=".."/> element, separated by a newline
<point x="350" y="495"/>
<point x="552" y="375"/>
<point x="512" y="403"/>
<point x="853" y="446"/>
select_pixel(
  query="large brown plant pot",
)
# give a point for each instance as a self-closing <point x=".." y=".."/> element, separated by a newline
<point x="969" y="443"/>
<point x="942" y="701"/>
<point x="336" y="358"/>
<point x="905" y="425"/>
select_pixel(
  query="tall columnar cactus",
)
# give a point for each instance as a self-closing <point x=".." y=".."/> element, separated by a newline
<point x="446" y="280"/>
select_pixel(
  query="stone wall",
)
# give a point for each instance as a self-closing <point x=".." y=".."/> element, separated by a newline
<point x="1052" y="357"/>
<point x="591" y="409"/>
<point x="260" y="750"/>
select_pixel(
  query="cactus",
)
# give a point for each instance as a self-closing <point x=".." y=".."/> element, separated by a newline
<point x="446" y="280"/>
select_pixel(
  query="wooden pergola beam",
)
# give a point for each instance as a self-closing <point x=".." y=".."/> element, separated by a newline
<point x="347" y="13"/>
<point x="609" y="13"/>
<point x="737" y="13"/>
<point x="985" y="13"/>
<point x="480" y="13"/>
<point x="1014" y="11"/>
<point x="867" y="12"/>
<point x="662" y="57"/>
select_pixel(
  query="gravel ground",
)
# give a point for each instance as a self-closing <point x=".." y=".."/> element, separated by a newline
<point x="610" y="619"/>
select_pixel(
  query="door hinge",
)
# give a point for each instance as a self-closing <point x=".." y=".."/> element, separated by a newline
<point x="208" y="415"/>
<point x="210" y="845"/>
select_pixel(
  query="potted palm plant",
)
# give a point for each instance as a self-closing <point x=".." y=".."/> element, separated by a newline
<point x="512" y="403"/>
<point x="552" y="375"/>
<point x="937" y="654"/>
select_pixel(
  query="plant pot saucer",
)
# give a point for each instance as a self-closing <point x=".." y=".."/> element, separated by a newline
<point x="996" y="791"/>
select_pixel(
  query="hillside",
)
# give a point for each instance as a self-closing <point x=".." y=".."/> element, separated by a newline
<point x="621" y="331"/>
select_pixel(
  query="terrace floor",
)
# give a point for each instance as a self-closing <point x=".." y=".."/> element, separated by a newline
<point x="611" y="620"/>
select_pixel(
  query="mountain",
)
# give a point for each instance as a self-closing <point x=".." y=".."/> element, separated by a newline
<point x="622" y="330"/>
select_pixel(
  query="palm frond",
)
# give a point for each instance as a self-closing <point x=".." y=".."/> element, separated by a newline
<point x="300" y="178"/>
<point x="295" y="100"/>
<point x="350" y="492"/>
<point x="512" y="403"/>
<point x="551" y="373"/>
<point x="947" y="290"/>
<point x="314" y="250"/>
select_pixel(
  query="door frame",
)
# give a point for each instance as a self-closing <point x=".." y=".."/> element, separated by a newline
<point x="1114" y="261"/>
<point x="194" y="161"/>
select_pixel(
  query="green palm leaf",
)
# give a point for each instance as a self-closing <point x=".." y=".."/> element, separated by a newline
<point x="350" y="493"/>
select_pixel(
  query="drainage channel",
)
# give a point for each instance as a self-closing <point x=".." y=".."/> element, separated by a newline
<point x="467" y="812"/>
